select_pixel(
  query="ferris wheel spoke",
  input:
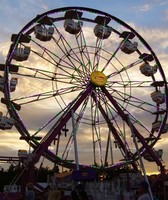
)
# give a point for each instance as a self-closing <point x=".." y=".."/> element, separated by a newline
<point x="85" y="49"/>
<point x="112" y="56"/>
<point x="124" y="68"/>
<point x="50" y="57"/>
<point x="134" y="101"/>
<point x="41" y="76"/>
<point x="70" y="56"/>
<point x="58" y="62"/>
<point x="96" y="59"/>
<point x="118" y="48"/>
<point x="59" y="78"/>
<point x="69" y="52"/>
<point x="125" y="84"/>
<point x="46" y="95"/>
<point x="65" y="47"/>
<point x="82" y="45"/>
<point x="83" y="52"/>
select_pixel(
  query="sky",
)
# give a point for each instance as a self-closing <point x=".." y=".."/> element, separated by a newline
<point x="148" y="17"/>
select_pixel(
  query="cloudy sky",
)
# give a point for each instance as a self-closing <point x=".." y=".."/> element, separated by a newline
<point x="148" y="17"/>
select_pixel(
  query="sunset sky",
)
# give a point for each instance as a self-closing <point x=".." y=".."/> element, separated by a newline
<point x="148" y="17"/>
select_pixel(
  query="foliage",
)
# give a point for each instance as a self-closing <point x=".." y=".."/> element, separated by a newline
<point x="7" y="176"/>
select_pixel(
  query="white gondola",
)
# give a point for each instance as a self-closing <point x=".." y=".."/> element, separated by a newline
<point x="43" y="34"/>
<point x="156" y="127"/>
<point x="147" y="69"/>
<point x="102" y="32"/>
<point x="128" y="47"/>
<point x="72" y="27"/>
<point x="22" y="153"/>
<point x="2" y="83"/>
<point x="148" y="157"/>
<point x="13" y="83"/>
<point x="21" y="54"/>
<point x="5" y="122"/>
<point x="158" y="97"/>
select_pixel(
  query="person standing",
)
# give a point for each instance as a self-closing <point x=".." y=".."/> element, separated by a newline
<point x="55" y="195"/>
<point x="143" y="191"/>
<point x="30" y="194"/>
<point x="79" y="193"/>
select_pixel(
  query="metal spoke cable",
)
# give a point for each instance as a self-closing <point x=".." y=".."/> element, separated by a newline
<point x="96" y="59"/>
<point x="46" y="95"/>
<point x="133" y="101"/>
<point x="124" y="68"/>
<point x="57" y="64"/>
<point x="123" y="84"/>
<point x="87" y="51"/>
<point x="84" y="58"/>
<point x="68" y="54"/>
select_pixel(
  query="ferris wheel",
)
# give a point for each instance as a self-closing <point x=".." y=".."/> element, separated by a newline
<point x="81" y="86"/>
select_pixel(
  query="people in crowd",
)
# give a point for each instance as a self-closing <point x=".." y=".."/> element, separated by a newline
<point x="63" y="197"/>
<point x="74" y="195"/>
<point x="46" y="192"/>
<point x="30" y="194"/>
<point x="55" y="195"/>
<point x="143" y="191"/>
<point x="79" y="193"/>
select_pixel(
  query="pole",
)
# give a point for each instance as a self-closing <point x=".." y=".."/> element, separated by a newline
<point x="140" y="158"/>
<point x="75" y="141"/>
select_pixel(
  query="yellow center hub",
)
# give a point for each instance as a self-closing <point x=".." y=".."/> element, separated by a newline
<point x="98" y="78"/>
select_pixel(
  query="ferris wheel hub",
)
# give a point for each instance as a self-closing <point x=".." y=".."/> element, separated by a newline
<point x="98" y="78"/>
